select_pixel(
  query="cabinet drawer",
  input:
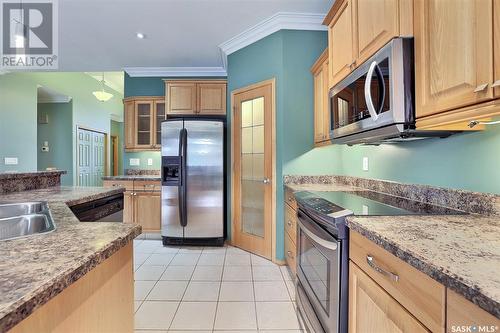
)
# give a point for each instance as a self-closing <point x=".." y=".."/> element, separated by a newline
<point x="290" y="253"/>
<point x="291" y="222"/>
<point x="128" y="184"/>
<point x="147" y="185"/>
<point x="290" y="198"/>
<point x="418" y="293"/>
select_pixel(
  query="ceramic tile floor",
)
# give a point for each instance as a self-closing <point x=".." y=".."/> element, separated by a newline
<point x="195" y="289"/>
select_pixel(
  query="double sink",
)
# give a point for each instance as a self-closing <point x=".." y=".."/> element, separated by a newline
<point x="25" y="219"/>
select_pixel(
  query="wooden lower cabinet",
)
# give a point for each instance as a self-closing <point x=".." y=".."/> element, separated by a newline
<point x="142" y="203"/>
<point x="372" y="310"/>
<point x="147" y="209"/>
<point x="290" y="253"/>
<point x="290" y="207"/>
<point x="100" y="301"/>
<point x="462" y="313"/>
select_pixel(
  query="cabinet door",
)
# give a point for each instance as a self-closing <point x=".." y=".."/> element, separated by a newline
<point x="462" y="313"/>
<point x="148" y="210"/>
<point x="128" y="207"/>
<point x="376" y="22"/>
<point x="340" y="43"/>
<point x="453" y="54"/>
<point x="371" y="309"/>
<point x="144" y="124"/>
<point x="496" y="42"/>
<point x="129" y="124"/>
<point x="211" y="98"/>
<point x="160" y="115"/>
<point x="181" y="98"/>
<point x="319" y="107"/>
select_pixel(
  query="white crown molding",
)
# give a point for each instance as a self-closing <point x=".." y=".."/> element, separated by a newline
<point x="115" y="117"/>
<point x="279" y="21"/>
<point x="175" y="71"/>
<point x="54" y="99"/>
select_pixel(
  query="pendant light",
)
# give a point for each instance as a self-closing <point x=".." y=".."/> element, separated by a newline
<point x="101" y="95"/>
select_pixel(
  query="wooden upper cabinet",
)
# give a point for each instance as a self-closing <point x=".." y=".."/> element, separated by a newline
<point x="372" y="309"/>
<point x="144" y="124"/>
<point x="453" y="54"/>
<point x="340" y="43"/>
<point x="196" y="97"/>
<point x="496" y="42"/>
<point x="211" y="98"/>
<point x="376" y="22"/>
<point x="143" y="116"/>
<point x="181" y="98"/>
<point x="321" y="113"/>
<point x="129" y="124"/>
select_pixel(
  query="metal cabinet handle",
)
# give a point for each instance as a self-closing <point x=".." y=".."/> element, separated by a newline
<point x="289" y="254"/>
<point x="473" y="123"/>
<point x="290" y="199"/>
<point x="496" y="84"/>
<point x="289" y="223"/>
<point x="481" y="87"/>
<point x="266" y="181"/>
<point x="352" y="64"/>
<point x="378" y="269"/>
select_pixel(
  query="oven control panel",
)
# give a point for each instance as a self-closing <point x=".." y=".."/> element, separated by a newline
<point x="321" y="205"/>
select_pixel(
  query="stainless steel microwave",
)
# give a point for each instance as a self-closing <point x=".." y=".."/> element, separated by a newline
<point x="376" y="102"/>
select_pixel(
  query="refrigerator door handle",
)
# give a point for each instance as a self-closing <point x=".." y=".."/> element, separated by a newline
<point x="183" y="175"/>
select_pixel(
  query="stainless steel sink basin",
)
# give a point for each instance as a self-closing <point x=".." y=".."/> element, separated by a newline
<point x="24" y="208"/>
<point x="19" y="226"/>
<point x="24" y="219"/>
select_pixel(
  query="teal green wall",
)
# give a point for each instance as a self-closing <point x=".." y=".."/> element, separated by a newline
<point x="143" y="157"/>
<point x="58" y="134"/>
<point x="18" y="111"/>
<point x="468" y="161"/>
<point x="143" y="86"/>
<point x="117" y="130"/>
<point x="18" y="122"/>
<point x="286" y="56"/>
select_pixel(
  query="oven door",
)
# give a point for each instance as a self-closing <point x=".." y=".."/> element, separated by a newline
<point x="318" y="260"/>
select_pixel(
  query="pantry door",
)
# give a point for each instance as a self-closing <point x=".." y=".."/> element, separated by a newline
<point x="253" y="172"/>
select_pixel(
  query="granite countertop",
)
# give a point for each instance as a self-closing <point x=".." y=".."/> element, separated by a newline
<point x="134" y="177"/>
<point x="460" y="251"/>
<point x="35" y="269"/>
<point x="15" y="174"/>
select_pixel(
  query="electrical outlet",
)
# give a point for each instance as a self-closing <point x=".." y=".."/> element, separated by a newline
<point x="150" y="161"/>
<point x="135" y="162"/>
<point x="365" y="163"/>
<point x="11" y="161"/>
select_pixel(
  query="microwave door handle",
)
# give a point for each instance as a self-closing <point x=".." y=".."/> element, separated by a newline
<point x="368" y="92"/>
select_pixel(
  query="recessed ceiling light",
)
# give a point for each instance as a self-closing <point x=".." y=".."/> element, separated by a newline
<point x="140" y="35"/>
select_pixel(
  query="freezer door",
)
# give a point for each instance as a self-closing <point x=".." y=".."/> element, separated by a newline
<point x="170" y="218"/>
<point x="205" y="179"/>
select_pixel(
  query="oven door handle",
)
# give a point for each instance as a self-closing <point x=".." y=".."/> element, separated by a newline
<point x="321" y="241"/>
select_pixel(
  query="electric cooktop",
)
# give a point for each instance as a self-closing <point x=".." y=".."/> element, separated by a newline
<point x="368" y="203"/>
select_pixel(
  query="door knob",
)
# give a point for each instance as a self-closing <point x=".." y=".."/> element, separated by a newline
<point x="266" y="181"/>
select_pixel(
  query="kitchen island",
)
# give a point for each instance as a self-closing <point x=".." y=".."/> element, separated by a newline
<point x="76" y="278"/>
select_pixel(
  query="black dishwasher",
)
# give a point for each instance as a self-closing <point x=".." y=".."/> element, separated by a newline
<point x="108" y="209"/>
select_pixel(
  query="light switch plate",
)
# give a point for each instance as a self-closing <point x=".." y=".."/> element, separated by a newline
<point x="134" y="162"/>
<point x="11" y="161"/>
<point x="150" y="161"/>
<point x="365" y="163"/>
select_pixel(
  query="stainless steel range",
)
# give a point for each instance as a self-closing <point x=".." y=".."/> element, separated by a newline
<point x="323" y="249"/>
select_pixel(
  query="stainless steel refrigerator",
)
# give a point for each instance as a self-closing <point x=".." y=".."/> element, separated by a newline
<point x="193" y="191"/>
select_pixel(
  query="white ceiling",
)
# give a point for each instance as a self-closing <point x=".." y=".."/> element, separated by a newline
<point x="47" y="95"/>
<point x="100" y="35"/>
